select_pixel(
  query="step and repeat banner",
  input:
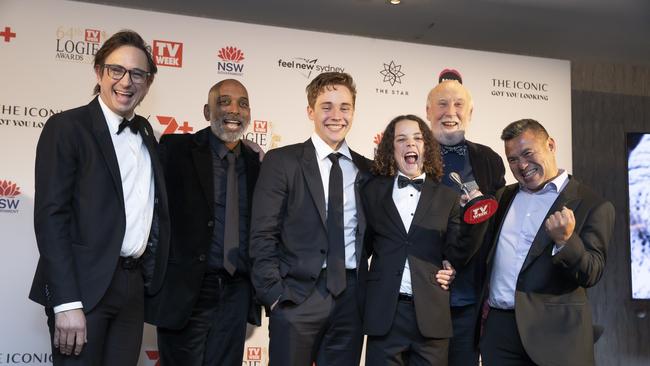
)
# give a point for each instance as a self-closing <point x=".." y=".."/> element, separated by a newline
<point x="46" y="53"/>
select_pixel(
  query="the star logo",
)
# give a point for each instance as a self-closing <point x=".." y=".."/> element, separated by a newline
<point x="392" y="73"/>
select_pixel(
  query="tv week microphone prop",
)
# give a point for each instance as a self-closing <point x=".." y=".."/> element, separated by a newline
<point x="478" y="209"/>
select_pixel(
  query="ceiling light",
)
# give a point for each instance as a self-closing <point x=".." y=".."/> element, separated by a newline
<point x="395" y="2"/>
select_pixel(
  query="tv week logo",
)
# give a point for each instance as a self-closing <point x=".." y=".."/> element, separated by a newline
<point x="172" y="125"/>
<point x="168" y="53"/>
<point x="93" y="35"/>
<point x="8" y="193"/>
<point x="153" y="356"/>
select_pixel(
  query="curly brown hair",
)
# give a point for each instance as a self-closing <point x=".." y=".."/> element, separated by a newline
<point x="329" y="81"/>
<point x="384" y="163"/>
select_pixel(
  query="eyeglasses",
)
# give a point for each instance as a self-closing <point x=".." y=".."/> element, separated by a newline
<point x="116" y="72"/>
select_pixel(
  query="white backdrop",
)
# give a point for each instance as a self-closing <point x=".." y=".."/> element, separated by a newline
<point x="46" y="50"/>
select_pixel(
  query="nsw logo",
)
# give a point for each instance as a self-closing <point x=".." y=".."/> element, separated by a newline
<point x="9" y="192"/>
<point x="168" y="53"/>
<point x="172" y="125"/>
<point x="231" y="61"/>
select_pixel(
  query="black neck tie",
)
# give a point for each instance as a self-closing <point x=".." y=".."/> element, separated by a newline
<point x="132" y="125"/>
<point x="336" y="251"/>
<point x="231" y="231"/>
<point x="403" y="181"/>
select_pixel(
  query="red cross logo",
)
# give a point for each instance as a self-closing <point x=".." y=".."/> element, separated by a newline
<point x="8" y="34"/>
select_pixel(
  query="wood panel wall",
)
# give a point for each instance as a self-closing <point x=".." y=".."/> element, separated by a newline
<point x="607" y="102"/>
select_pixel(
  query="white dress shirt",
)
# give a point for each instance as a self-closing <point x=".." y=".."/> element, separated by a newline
<point x="350" y="171"/>
<point x="524" y="219"/>
<point x="138" y="186"/>
<point x="406" y="200"/>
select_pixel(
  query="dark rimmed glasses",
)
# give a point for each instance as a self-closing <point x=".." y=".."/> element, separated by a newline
<point x="116" y="72"/>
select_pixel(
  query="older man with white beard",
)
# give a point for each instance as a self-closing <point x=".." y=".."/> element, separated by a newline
<point x="449" y="111"/>
<point x="203" y="307"/>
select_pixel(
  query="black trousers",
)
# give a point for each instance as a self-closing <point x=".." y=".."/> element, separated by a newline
<point x="216" y="330"/>
<point x="501" y="344"/>
<point x="114" y="326"/>
<point x="462" y="350"/>
<point x="323" y="328"/>
<point x="404" y="345"/>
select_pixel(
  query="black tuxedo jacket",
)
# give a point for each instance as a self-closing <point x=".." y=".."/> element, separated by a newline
<point x="435" y="234"/>
<point x="289" y="230"/>
<point x="489" y="173"/>
<point x="551" y="305"/>
<point x="79" y="217"/>
<point x="487" y="168"/>
<point x="187" y="160"/>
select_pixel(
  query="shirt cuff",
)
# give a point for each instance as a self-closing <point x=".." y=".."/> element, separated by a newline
<point x="68" y="306"/>
<point x="556" y="249"/>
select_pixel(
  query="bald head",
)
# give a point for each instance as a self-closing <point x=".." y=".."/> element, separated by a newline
<point x="228" y="110"/>
<point x="449" y="111"/>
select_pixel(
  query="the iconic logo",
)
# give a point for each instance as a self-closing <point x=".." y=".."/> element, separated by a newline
<point x="24" y="116"/>
<point x="168" y="53"/>
<point x="8" y="193"/>
<point x="78" y="44"/>
<point x="231" y="61"/>
<point x="392" y="73"/>
<point x="305" y="66"/>
<point x="520" y="89"/>
<point x="153" y="356"/>
<point x="7" y="34"/>
<point x="172" y="125"/>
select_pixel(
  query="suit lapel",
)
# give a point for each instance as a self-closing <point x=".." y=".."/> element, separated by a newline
<point x="103" y="137"/>
<point x="476" y="161"/>
<point x="569" y="198"/>
<point x="429" y="189"/>
<point x="202" y="159"/>
<point x="388" y="204"/>
<point x="309" y="165"/>
<point x="505" y="200"/>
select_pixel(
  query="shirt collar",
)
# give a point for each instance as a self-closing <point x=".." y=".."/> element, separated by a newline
<point x="113" y="119"/>
<point x="555" y="185"/>
<point x="323" y="150"/>
<point x="422" y="176"/>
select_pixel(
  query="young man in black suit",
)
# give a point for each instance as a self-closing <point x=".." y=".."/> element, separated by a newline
<point x="202" y="309"/>
<point x="100" y="214"/>
<point x="548" y="245"/>
<point x="307" y="236"/>
<point x="413" y="225"/>
<point x="449" y="111"/>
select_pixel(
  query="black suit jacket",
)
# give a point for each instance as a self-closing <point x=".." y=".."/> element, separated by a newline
<point x="435" y="234"/>
<point x="489" y="173"/>
<point x="288" y="232"/>
<point x="79" y="217"/>
<point x="551" y="305"/>
<point x="487" y="168"/>
<point x="187" y="161"/>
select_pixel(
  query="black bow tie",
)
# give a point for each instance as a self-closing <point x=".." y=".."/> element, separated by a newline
<point x="403" y="181"/>
<point x="460" y="149"/>
<point x="132" y="125"/>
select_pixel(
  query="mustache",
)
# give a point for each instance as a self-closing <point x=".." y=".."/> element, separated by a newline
<point x="232" y="117"/>
<point x="449" y="119"/>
